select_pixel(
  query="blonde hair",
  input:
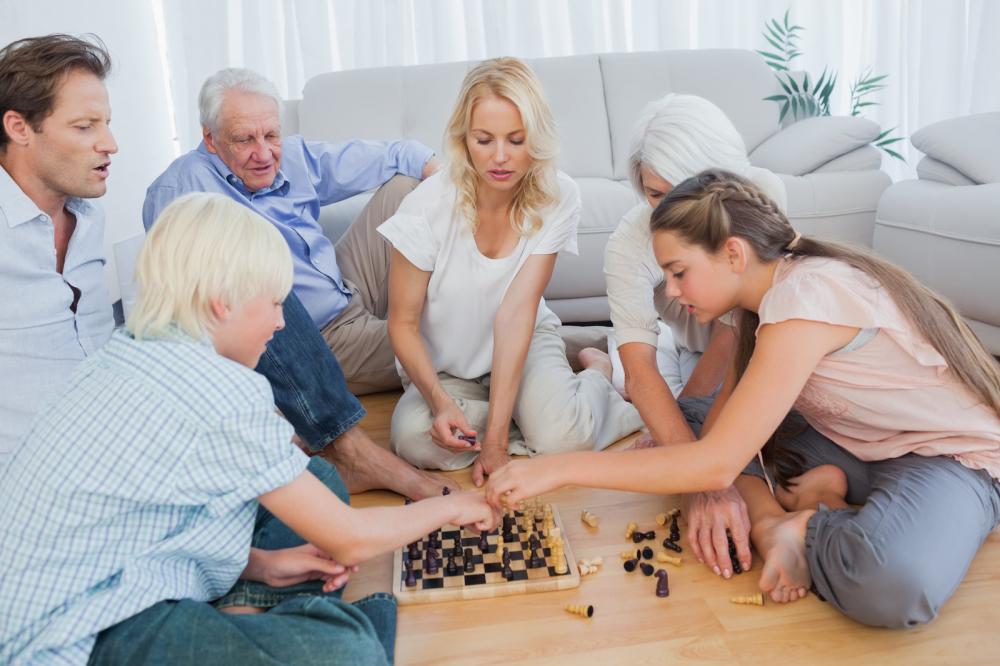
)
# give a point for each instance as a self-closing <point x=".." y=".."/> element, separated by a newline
<point x="510" y="79"/>
<point x="205" y="247"/>
<point x="678" y="136"/>
<point x="715" y="205"/>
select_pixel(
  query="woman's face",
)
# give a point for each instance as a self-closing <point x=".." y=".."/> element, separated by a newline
<point x="653" y="187"/>
<point x="497" y="144"/>
<point x="704" y="283"/>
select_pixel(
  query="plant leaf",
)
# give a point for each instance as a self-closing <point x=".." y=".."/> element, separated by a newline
<point x="791" y="82"/>
<point x="787" y="12"/>
<point x="768" y="54"/>
<point x="777" y="35"/>
<point x="805" y="82"/>
<point x="773" y="42"/>
<point x="784" y="110"/>
<point x="795" y="108"/>
<point x="889" y="142"/>
<point x="776" y="98"/>
<point x="777" y="26"/>
<point x="787" y="89"/>
<point x="895" y="154"/>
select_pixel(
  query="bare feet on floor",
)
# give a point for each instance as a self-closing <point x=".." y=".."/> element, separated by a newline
<point x="826" y="484"/>
<point x="364" y="465"/>
<point x="782" y="541"/>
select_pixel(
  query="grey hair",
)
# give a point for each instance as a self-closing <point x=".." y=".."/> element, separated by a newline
<point x="678" y="136"/>
<point x="233" y="78"/>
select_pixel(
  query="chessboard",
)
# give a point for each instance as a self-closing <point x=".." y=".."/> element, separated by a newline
<point x="479" y="574"/>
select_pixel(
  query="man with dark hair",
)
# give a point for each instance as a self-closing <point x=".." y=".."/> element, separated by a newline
<point x="55" y="151"/>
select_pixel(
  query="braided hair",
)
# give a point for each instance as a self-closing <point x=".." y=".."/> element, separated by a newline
<point x="707" y="209"/>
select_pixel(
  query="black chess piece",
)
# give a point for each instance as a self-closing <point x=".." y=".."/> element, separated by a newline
<point x="452" y="567"/>
<point x="414" y="551"/>
<point x="434" y="540"/>
<point x="431" y="563"/>
<point x="505" y="558"/>
<point x="484" y="544"/>
<point x="411" y="575"/>
<point x="507" y="573"/>
<point x="456" y="550"/>
<point x="534" y="542"/>
<point x="536" y="560"/>
<point x="662" y="585"/>
<point x="469" y="564"/>
<point x="446" y="491"/>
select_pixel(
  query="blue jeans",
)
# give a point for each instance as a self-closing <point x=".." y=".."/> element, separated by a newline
<point x="308" y="384"/>
<point x="302" y="626"/>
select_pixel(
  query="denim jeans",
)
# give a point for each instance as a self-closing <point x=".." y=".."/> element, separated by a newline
<point x="307" y="381"/>
<point x="302" y="626"/>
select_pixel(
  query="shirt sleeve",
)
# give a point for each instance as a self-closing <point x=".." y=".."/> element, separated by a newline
<point x="342" y="170"/>
<point x="246" y="455"/>
<point x="630" y="280"/>
<point x="561" y="223"/>
<point x="409" y="230"/>
<point x="157" y="198"/>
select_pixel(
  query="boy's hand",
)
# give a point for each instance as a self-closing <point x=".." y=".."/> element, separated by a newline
<point x="290" y="566"/>
<point x="474" y="512"/>
<point x="522" y="479"/>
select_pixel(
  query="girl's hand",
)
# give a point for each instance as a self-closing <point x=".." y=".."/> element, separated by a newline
<point x="442" y="432"/>
<point x="519" y="480"/>
<point x="290" y="566"/>
<point x="474" y="512"/>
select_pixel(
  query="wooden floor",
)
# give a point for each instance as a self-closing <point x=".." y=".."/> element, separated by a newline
<point x="695" y="624"/>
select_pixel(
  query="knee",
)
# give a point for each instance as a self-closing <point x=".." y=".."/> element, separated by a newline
<point x="557" y="433"/>
<point x="410" y="440"/>
<point x="695" y="409"/>
<point x="396" y="188"/>
<point x="882" y="588"/>
<point x="330" y="477"/>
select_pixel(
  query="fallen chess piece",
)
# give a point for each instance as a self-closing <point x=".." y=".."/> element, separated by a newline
<point x="590" y="566"/>
<point x="589" y="518"/>
<point x="583" y="610"/>
<point x="755" y="599"/>
<point x="669" y="559"/>
<point x="630" y="529"/>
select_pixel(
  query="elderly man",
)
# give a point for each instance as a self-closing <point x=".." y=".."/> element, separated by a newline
<point x="55" y="151"/>
<point x="339" y="302"/>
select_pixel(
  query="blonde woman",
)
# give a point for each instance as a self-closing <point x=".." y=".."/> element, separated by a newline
<point x="473" y="248"/>
<point x="901" y="400"/>
<point x="663" y="351"/>
<point x="139" y="493"/>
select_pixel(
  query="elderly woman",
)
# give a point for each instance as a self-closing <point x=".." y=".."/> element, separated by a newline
<point x="657" y="339"/>
<point x="474" y="246"/>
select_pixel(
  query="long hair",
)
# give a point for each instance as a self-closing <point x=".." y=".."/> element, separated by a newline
<point x="510" y="79"/>
<point x="715" y="205"/>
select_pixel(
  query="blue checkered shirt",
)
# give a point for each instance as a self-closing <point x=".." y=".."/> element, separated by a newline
<point x="138" y="483"/>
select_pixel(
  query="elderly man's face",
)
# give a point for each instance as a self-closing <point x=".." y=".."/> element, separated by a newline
<point x="249" y="138"/>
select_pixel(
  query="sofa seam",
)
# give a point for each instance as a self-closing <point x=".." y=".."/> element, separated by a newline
<point x="932" y="232"/>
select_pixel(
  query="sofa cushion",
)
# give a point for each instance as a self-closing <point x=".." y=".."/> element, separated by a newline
<point x="803" y="146"/>
<point x="969" y="144"/>
<point x="929" y="168"/>
<point x="735" y="81"/>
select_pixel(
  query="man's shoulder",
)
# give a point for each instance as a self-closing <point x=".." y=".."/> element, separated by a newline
<point x="187" y="172"/>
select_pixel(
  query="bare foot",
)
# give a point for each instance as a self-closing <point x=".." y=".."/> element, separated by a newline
<point x="364" y="465"/>
<point x="782" y="541"/>
<point x="826" y="484"/>
<point x="644" y="441"/>
<point x="595" y="359"/>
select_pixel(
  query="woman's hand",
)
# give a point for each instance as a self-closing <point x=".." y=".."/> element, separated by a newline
<point x="709" y="515"/>
<point x="447" y="420"/>
<point x="290" y="566"/>
<point x="519" y="480"/>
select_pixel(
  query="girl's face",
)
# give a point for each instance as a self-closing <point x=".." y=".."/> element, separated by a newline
<point x="654" y="187"/>
<point x="706" y="284"/>
<point x="242" y="333"/>
<point x="497" y="144"/>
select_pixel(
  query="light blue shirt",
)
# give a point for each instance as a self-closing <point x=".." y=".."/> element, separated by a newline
<point x="41" y="339"/>
<point x="135" y="485"/>
<point x="312" y="175"/>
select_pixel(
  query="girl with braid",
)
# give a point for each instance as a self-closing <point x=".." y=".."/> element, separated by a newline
<point x="890" y="486"/>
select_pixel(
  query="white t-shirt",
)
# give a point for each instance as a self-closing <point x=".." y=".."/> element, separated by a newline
<point x="635" y="281"/>
<point x="466" y="288"/>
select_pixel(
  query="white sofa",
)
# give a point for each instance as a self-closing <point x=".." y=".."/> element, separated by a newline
<point x="944" y="227"/>
<point x="830" y="170"/>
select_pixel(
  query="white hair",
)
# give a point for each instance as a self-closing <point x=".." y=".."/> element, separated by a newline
<point x="202" y="248"/>
<point x="679" y="136"/>
<point x="213" y="91"/>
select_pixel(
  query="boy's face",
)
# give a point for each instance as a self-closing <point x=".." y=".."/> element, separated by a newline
<point x="242" y="333"/>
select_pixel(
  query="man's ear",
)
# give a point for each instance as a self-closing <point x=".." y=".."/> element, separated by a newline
<point x="17" y="128"/>
<point x="219" y="309"/>
<point x="206" y="134"/>
<point x="737" y="252"/>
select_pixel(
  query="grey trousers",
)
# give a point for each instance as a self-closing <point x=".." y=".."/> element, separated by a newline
<point x="898" y="558"/>
<point x="359" y="335"/>
<point x="555" y="410"/>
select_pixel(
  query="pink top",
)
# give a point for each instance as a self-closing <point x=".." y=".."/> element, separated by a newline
<point x="894" y="394"/>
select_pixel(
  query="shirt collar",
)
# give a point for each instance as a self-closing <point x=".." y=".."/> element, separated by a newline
<point x="280" y="183"/>
<point x="18" y="208"/>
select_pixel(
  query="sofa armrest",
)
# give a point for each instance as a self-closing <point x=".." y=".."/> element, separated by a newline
<point x="968" y="144"/>
<point x="805" y="146"/>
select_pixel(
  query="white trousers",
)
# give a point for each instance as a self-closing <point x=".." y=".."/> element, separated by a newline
<point x="674" y="361"/>
<point x="555" y="410"/>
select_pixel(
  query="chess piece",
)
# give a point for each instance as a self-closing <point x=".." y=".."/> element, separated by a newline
<point x="583" y="610"/>
<point x="589" y="518"/>
<point x="446" y="491"/>
<point x="754" y="599"/>
<point x="411" y="575"/>
<point x="647" y="569"/>
<point x="626" y="555"/>
<point x="650" y="535"/>
<point x="669" y="559"/>
<point x="484" y="544"/>
<point x="630" y="529"/>
<point x="413" y="551"/>
<point x="506" y="557"/>
<point x="434" y="540"/>
<point x="452" y="567"/>
<point x="536" y="561"/>
<point x="670" y="545"/>
<point x="456" y="550"/>
<point x="507" y="573"/>
<point x="661" y="519"/>
<point x="431" y="563"/>
<point x="647" y="553"/>
<point x="630" y="565"/>
<point x="469" y="565"/>
<point x="534" y="542"/>
<point x="638" y="537"/>
<point x="662" y="584"/>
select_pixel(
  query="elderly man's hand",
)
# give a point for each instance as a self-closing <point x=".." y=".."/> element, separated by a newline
<point x="430" y="167"/>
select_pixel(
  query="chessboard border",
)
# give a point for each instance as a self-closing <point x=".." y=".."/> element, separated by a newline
<point x="406" y="596"/>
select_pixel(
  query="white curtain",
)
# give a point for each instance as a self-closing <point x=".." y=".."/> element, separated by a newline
<point x="941" y="56"/>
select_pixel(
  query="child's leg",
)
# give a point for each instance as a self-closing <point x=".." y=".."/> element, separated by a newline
<point x="412" y="419"/>
<point x="303" y="630"/>
<point x="897" y="560"/>
<point x="557" y="410"/>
